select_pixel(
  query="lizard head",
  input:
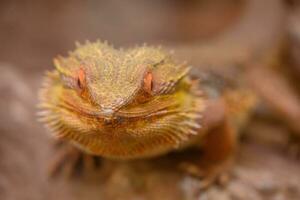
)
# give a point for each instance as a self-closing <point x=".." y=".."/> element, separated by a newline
<point x="120" y="103"/>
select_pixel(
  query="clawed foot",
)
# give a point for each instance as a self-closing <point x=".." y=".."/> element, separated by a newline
<point x="70" y="161"/>
<point x="218" y="173"/>
<point x="213" y="163"/>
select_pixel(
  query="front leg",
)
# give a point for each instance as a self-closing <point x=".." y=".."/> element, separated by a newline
<point x="217" y="158"/>
<point x="218" y="147"/>
<point x="70" y="160"/>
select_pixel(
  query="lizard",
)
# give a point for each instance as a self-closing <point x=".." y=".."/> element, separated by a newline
<point x="140" y="102"/>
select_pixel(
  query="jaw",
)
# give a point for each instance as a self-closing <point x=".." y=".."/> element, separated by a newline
<point x="143" y="137"/>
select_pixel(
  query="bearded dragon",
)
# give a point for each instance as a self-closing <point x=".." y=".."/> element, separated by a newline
<point x="140" y="102"/>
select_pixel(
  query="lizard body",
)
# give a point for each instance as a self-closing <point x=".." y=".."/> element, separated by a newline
<point x="139" y="102"/>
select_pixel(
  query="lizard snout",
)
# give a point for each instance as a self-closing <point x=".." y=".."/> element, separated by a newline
<point x="107" y="112"/>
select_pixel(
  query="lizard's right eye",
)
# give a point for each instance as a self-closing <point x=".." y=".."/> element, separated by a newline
<point x="81" y="79"/>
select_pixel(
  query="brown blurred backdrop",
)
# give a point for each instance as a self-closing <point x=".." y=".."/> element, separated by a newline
<point x="33" y="32"/>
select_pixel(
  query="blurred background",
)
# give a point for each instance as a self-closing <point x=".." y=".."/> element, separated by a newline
<point x="32" y="33"/>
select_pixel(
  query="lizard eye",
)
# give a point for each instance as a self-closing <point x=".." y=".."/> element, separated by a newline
<point x="148" y="82"/>
<point x="81" y="79"/>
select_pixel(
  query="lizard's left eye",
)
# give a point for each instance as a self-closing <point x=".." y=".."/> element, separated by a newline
<point x="148" y="83"/>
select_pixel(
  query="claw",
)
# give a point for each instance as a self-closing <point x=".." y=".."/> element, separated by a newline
<point x="208" y="173"/>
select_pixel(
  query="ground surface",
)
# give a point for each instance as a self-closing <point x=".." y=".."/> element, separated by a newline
<point x="32" y="34"/>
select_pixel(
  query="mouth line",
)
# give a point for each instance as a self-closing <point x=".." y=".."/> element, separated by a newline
<point x="160" y="111"/>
